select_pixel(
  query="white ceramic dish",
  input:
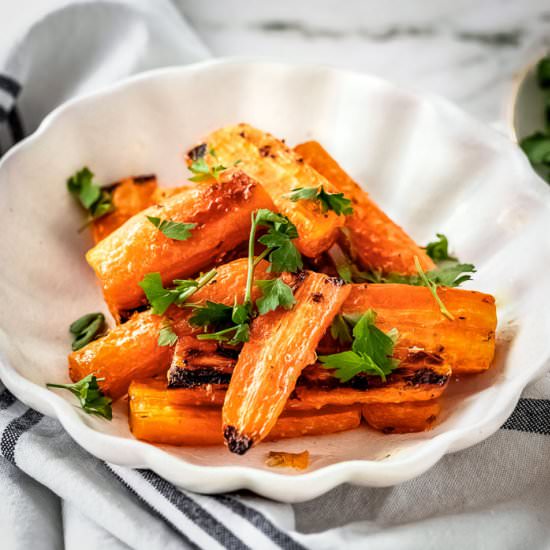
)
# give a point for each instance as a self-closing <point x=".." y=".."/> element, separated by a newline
<point x="430" y="166"/>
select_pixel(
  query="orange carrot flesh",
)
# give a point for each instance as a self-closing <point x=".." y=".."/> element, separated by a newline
<point x="402" y="417"/>
<point x="281" y="344"/>
<point x="129" y="197"/>
<point x="467" y="343"/>
<point x="222" y="214"/>
<point x="130" y="351"/>
<point x="157" y="417"/>
<point x="279" y="170"/>
<point x="378" y="243"/>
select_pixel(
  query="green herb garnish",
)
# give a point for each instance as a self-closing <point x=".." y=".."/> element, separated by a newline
<point x="432" y="287"/>
<point x="276" y="294"/>
<point x="173" y="230"/>
<point x="232" y="324"/>
<point x="336" y="202"/>
<point x="371" y="351"/>
<point x="161" y="298"/>
<point x="167" y="336"/>
<point x="438" y="250"/>
<point x="203" y="172"/>
<point x="86" y="328"/>
<point x="91" y="398"/>
<point x="92" y="197"/>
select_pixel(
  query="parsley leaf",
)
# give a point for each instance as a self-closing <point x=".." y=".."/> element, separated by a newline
<point x="91" y="398"/>
<point x="161" y="298"/>
<point x="173" y="230"/>
<point x="219" y="316"/>
<point x="202" y="171"/>
<point x="275" y="293"/>
<point x="283" y="255"/>
<point x="86" y="328"/>
<point x="438" y="250"/>
<point x="543" y="73"/>
<point x="340" y="331"/>
<point x="336" y="202"/>
<point x="537" y="148"/>
<point x="167" y="337"/>
<point x="91" y="196"/>
<point x="371" y="351"/>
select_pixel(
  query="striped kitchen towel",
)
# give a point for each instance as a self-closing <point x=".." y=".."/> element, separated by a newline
<point x="54" y="495"/>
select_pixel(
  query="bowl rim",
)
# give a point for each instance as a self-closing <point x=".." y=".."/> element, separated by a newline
<point x="278" y="486"/>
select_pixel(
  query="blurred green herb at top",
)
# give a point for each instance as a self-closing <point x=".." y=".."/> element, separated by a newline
<point x="95" y="200"/>
<point x="537" y="145"/>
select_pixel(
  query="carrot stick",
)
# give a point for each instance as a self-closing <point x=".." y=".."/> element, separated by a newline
<point x="378" y="243"/>
<point x="221" y="212"/>
<point x="279" y="170"/>
<point x="158" y="417"/>
<point x="392" y="418"/>
<point x="281" y="344"/>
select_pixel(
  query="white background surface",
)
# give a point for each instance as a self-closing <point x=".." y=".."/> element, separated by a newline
<point x="465" y="50"/>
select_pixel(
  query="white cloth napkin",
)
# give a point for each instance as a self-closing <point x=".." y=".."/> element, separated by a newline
<point x="54" y="495"/>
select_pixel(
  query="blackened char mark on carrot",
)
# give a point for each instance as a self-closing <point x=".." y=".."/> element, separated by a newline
<point x="236" y="443"/>
<point x="197" y="152"/>
<point x="193" y="378"/>
<point x="426" y="376"/>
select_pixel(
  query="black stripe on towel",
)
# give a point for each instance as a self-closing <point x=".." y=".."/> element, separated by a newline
<point x="9" y="85"/>
<point x="196" y="513"/>
<point x="7" y="399"/>
<point x="258" y="520"/>
<point x="14" y="430"/>
<point x="156" y="512"/>
<point x="15" y="124"/>
<point x="530" y="415"/>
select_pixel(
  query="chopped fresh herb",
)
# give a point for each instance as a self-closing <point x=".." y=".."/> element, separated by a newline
<point x="438" y="250"/>
<point x="173" y="230"/>
<point x="371" y="351"/>
<point x="283" y="255"/>
<point x="543" y="73"/>
<point x="336" y="202"/>
<point x="347" y="269"/>
<point x="92" y="197"/>
<point x="275" y="293"/>
<point x="161" y="298"/>
<point x="86" y="328"/>
<point x="340" y="330"/>
<point x="202" y="170"/>
<point x="231" y="323"/>
<point x="167" y="336"/>
<point x="90" y="396"/>
<point x="432" y="286"/>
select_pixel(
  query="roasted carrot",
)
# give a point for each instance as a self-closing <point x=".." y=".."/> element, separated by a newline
<point x="221" y="212"/>
<point x="155" y="415"/>
<point x="129" y="196"/>
<point x="377" y="242"/>
<point x="399" y="418"/>
<point x="466" y="344"/>
<point x="131" y="351"/>
<point x="281" y="344"/>
<point x="279" y="170"/>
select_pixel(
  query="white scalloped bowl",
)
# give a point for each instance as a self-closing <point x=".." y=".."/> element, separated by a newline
<point x="431" y="167"/>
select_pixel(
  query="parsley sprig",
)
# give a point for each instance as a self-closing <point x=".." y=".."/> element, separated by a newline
<point x="86" y="328"/>
<point x="171" y="229"/>
<point x="432" y="287"/>
<point x="161" y="298"/>
<point x="232" y="324"/>
<point x="371" y="351"/>
<point x="438" y="250"/>
<point x="203" y="171"/>
<point x="336" y="202"/>
<point x="91" y="398"/>
<point x="95" y="200"/>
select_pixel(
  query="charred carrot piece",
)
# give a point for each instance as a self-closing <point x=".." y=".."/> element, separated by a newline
<point x="467" y="343"/>
<point x="221" y="212"/>
<point x="400" y="418"/>
<point x="279" y="170"/>
<point x="158" y="417"/>
<point x="281" y="344"/>
<point x="129" y="196"/>
<point x="130" y="351"/>
<point x="377" y="242"/>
